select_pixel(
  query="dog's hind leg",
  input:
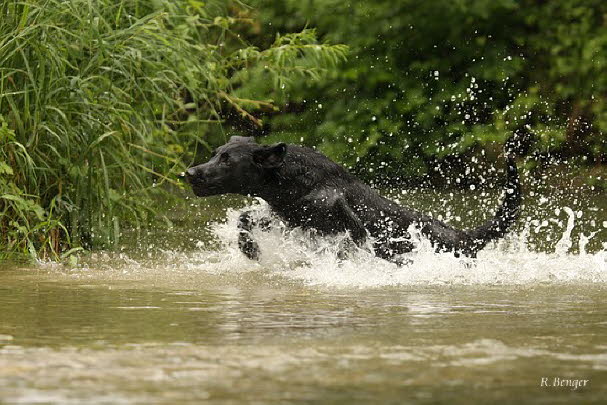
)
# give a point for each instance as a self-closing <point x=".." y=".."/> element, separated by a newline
<point x="246" y="243"/>
<point x="337" y="216"/>
<point x="353" y="224"/>
<point x="351" y="221"/>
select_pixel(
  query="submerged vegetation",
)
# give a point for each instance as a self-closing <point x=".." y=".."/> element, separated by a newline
<point x="100" y="102"/>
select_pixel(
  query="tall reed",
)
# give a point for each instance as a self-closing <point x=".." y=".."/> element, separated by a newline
<point x="93" y="97"/>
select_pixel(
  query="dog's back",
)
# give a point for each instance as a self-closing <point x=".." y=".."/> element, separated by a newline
<point x="306" y="171"/>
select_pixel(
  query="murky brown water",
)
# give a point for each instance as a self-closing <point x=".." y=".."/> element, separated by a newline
<point x="206" y="325"/>
<point x="148" y="338"/>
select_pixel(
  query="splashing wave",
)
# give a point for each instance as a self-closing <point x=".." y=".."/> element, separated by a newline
<point x="298" y="255"/>
<point x="294" y="255"/>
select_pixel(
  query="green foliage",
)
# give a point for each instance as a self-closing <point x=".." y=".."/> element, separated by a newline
<point x="427" y="83"/>
<point x="25" y="227"/>
<point x="102" y="102"/>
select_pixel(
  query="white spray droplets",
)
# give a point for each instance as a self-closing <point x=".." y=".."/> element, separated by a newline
<point x="298" y="255"/>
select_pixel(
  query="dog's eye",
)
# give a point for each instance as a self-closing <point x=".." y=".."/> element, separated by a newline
<point x="224" y="157"/>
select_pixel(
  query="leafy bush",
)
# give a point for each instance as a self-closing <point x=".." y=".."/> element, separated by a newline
<point x="428" y="84"/>
<point x="101" y="102"/>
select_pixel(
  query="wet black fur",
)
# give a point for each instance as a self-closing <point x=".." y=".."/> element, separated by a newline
<point x="306" y="189"/>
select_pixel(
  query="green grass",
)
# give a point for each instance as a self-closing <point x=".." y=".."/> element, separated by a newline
<point x="103" y="102"/>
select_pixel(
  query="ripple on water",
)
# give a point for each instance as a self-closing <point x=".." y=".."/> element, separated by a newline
<point x="136" y="373"/>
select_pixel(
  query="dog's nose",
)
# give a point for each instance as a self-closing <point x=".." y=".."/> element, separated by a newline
<point x="189" y="174"/>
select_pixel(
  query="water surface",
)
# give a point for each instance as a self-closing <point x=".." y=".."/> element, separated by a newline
<point x="195" y="321"/>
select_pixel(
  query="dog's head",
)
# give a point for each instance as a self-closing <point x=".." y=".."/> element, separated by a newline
<point x="238" y="167"/>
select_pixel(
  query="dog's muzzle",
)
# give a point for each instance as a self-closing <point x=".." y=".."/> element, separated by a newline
<point x="190" y="174"/>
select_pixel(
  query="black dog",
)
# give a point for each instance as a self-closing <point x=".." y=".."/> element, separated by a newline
<point x="308" y="190"/>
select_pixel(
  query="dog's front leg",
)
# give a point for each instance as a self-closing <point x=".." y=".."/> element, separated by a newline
<point x="246" y="243"/>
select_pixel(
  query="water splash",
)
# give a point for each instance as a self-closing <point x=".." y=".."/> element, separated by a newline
<point x="295" y="255"/>
<point x="565" y="243"/>
<point x="300" y="255"/>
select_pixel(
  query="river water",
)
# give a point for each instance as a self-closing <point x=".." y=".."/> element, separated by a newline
<point x="185" y="318"/>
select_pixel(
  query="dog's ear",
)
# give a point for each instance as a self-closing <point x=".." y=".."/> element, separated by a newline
<point x="270" y="157"/>
<point x="243" y="139"/>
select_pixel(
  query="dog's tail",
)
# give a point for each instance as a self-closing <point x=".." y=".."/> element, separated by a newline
<point x="508" y="213"/>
